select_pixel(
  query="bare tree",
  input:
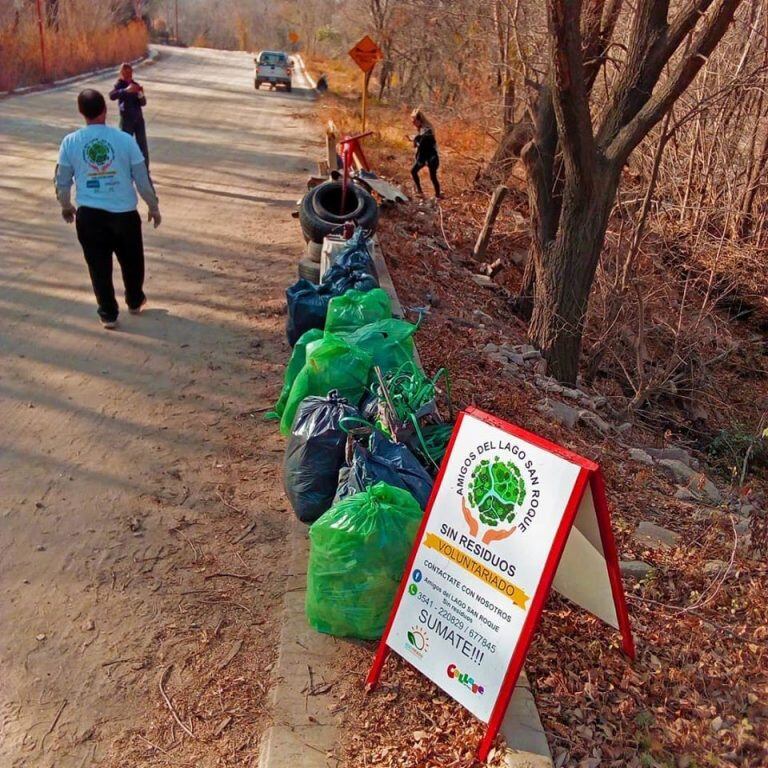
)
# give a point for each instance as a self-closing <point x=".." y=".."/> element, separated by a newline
<point x="574" y="161"/>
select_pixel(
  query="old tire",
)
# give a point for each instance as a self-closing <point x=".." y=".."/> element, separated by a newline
<point x="309" y="270"/>
<point x="313" y="227"/>
<point x="314" y="251"/>
<point x="317" y="216"/>
<point x="327" y="203"/>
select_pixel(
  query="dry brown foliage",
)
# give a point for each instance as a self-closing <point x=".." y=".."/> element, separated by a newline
<point x="696" y="696"/>
<point x="85" y="35"/>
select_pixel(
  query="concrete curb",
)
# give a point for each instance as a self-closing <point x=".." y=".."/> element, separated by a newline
<point x="311" y="80"/>
<point x="150" y="58"/>
<point x="304" y="730"/>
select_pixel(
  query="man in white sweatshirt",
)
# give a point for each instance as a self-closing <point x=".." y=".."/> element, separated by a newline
<point x="107" y="168"/>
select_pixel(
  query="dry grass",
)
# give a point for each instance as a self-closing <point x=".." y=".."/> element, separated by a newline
<point x="71" y="49"/>
<point x="458" y="136"/>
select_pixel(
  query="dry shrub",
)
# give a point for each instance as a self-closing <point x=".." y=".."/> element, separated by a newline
<point x="84" y="36"/>
<point x="457" y="132"/>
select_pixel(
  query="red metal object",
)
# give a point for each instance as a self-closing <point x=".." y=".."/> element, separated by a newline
<point x="40" y="26"/>
<point x="532" y="619"/>
<point x="351" y="149"/>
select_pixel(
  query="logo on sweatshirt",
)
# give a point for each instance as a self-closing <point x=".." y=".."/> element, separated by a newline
<point x="99" y="155"/>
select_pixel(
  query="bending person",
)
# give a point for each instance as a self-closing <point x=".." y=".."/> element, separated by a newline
<point x="426" y="151"/>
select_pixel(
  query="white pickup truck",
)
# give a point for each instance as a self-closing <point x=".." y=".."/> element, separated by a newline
<point x="273" y="68"/>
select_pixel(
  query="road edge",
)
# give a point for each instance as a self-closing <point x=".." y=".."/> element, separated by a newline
<point x="311" y="80"/>
<point x="150" y="57"/>
<point x="304" y="730"/>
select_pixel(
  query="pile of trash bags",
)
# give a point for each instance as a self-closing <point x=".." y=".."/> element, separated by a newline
<point x="352" y="270"/>
<point x="364" y="441"/>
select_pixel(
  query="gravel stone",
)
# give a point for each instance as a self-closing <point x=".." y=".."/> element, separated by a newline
<point x="651" y="535"/>
<point x="638" y="454"/>
<point x="635" y="569"/>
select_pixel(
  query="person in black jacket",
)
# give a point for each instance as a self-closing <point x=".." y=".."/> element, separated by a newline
<point x="130" y="97"/>
<point x="426" y="151"/>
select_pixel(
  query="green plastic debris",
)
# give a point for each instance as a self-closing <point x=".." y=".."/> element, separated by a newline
<point x="355" y="309"/>
<point x="407" y="404"/>
<point x="434" y="441"/>
<point x="331" y="363"/>
<point x="358" y="550"/>
<point x="389" y="342"/>
<point x="295" y="364"/>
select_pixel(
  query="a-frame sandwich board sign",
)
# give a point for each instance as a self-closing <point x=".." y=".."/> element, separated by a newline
<point x="510" y="516"/>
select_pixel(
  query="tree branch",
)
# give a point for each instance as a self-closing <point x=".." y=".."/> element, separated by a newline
<point x="656" y="107"/>
<point x="569" y="93"/>
<point x="685" y="21"/>
<point x="646" y="57"/>
<point x="597" y="31"/>
<point x="538" y="157"/>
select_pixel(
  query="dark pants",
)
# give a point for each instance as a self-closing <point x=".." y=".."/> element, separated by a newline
<point x="433" y="165"/>
<point x="139" y="132"/>
<point x="101" y="234"/>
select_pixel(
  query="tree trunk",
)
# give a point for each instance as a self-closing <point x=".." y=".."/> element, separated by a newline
<point x="565" y="269"/>
<point x="523" y="304"/>
<point x="562" y="294"/>
<point x="508" y="102"/>
<point x="481" y="246"/>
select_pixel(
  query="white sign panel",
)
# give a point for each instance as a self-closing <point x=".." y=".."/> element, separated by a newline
<point x="478" y="564"/>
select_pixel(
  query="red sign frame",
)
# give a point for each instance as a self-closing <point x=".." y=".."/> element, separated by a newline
<point x="589" y="475"/>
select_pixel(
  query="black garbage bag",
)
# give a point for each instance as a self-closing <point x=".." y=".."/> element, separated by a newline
<point x="315" y="454"/>
<point x="387" y="462"/>
<point x="356" y="254"/>
<point x="369" y="407"/>
<point x="338" y="279"/>
<point x="307" y="308"/>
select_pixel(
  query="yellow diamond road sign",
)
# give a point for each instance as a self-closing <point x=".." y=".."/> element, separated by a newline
<point x="365" y="54"/>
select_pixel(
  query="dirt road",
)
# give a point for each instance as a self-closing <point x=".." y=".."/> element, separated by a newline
<point x="142" y="523"/>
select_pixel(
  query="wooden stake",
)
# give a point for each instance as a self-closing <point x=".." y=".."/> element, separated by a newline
<point x="481" y="246"/>
<point x="366" y="78"/>
<point x="330" y="147"/>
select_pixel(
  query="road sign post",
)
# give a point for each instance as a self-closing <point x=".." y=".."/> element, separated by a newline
<point x="365" y="54"/>
<point x="511" y="515"/>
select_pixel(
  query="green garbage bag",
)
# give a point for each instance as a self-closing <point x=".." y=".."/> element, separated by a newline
<point x="388" y="342"/>
<point x="295" y="364"/>
<point x="354" y="309"/>
<point x="358" y="551"/>
<point x="332" y="363"/>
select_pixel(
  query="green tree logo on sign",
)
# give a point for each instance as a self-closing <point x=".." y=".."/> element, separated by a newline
<point x="99" y="154"/>
<point x="496" y="490"/>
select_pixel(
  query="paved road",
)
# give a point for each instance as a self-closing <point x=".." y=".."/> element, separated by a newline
<point x="127" y="464"/>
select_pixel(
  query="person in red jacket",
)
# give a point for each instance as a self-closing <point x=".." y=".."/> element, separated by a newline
<point x="130" y="97"/>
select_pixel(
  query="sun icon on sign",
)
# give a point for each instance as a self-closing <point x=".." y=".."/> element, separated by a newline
<point x="417" y="637"/>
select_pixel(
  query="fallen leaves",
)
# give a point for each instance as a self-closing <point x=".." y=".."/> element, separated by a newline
<point x="698" y="693"/>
